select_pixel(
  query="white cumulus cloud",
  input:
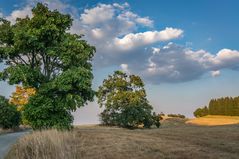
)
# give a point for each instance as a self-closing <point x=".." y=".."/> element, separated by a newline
<point x="131" y="40"/>
<point x="145" y="21"/>
<point x="98" y="14"/>
<point x="215" y="73"/>
<point x="55" y="4"/>
<point x="20" y="13"/>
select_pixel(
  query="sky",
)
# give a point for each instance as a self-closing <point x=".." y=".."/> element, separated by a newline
<point x="186" y="51"/>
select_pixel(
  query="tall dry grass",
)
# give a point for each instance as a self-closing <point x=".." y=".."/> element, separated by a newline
<point x="48" y="144"/>
<point x="174" y="140"/>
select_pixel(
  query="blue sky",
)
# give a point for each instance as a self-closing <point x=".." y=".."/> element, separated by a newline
<point x="187" y="51"/>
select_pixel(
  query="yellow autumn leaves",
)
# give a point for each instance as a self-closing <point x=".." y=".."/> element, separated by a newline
<point x="21" y="96"/>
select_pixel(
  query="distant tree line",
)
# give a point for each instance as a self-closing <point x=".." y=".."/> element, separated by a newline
<point x="177" y="116"/>
<point x="221" y="106"/>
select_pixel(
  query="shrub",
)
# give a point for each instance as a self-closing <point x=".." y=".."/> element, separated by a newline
<point x="200" y="112"/>
<point x="177" y="115"/>
<point x="9" y="116"/>
<point x="156" y="119"/>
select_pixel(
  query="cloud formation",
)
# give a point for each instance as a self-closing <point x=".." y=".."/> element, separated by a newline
<point x="125" y="39"/>
<point x="103" y="13"/>
<point x="131" y="40"/>
<point x="26" y="11"/>
<point x="175" y="63"/>
<point x="20" y="13"/>
<point x="116" y="35"/>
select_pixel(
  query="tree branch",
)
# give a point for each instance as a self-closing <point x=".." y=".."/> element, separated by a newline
<point x="22" y="60"/>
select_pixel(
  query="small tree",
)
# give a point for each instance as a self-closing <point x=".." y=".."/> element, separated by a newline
<point x="200" y="112"/>
<point x="125" y="102"/>
<point x="156" y="119"/>
<point x="9" y="116"/>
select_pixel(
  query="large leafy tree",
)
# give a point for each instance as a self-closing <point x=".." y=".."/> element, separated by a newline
<point x="124" y="99"/>
<point x="41" y="53"/>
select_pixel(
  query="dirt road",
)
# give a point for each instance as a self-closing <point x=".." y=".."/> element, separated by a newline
<point x="7" y="140"/>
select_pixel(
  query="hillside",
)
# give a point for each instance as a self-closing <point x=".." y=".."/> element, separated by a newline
<point x="214" y="120"/>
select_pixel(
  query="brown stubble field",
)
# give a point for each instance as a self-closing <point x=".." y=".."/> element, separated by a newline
<point x="173" y="140"/>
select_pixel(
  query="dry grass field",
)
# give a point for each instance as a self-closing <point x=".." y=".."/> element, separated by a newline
<point x="213" y="120"/>
<point x="48" y="144"/>
<point x="174" y="140"/>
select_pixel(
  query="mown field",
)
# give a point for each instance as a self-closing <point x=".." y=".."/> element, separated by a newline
<point x="213" y="120"/>
<point x="174" y="139"/>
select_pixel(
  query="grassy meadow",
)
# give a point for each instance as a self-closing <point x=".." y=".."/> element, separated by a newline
<point x="174" y="139"/>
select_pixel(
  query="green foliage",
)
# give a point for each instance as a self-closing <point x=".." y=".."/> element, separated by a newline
<point x="156" y="119"/>
<point x="224" y="106"/>
<point x="221" y="106"/>
<point x="51" y="114"/>
<point x="9" y="116"/>
<point x="200" y="112"/>
<point x="124" y="100"/>
<point x="177" y="115"/>
<point x="41" y="53"/>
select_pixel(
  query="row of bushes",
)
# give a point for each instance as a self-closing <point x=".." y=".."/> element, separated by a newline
<point x="177" y="116"/>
